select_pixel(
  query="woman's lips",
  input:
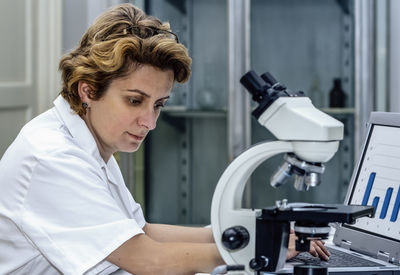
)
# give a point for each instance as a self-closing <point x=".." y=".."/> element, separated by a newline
<point x="139" y="138"/>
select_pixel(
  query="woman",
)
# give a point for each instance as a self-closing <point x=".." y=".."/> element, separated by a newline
<point x="64" y="207"/>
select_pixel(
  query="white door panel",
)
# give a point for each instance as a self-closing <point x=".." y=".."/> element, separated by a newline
<point x="15" y="21"/>
<point x="30" y="49"/>
<point x="17" y="77"/>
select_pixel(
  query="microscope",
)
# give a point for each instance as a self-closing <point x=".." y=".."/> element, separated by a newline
<point x="258" y="238"/>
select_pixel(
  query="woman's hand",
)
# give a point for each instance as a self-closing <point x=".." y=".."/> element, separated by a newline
<point x="317" y="248"/>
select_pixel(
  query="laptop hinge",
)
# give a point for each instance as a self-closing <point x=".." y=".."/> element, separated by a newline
<point x="346" y="244"/>
<point x="384" y="256"/>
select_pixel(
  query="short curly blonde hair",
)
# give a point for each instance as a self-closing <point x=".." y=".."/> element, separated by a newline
<point x="120" y="40"/>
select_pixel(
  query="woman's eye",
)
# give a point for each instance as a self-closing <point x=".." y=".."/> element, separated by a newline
<point x="134" y="101"/>
<point x="159" y="105"/>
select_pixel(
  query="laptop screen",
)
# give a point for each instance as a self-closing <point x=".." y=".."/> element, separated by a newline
<point x="377" y="182"/>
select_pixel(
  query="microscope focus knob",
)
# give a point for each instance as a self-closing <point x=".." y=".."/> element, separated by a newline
<point x="235" y="237"/>
<point x="259" y="263"/>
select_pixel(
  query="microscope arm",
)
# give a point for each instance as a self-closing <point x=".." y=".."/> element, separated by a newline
<point x="226" y="210"/>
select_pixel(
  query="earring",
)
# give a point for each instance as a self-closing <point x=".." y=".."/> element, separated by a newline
<point x="85" y="105"/>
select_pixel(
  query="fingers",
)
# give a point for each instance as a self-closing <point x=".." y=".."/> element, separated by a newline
<point x="317" y="249"/>
<point x="324" y="249"/>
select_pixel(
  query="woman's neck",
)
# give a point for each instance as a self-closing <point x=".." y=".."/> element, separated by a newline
<point x="104" y="150"/>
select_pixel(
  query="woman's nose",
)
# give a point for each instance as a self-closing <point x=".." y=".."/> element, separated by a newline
<point x="148" y="119"/>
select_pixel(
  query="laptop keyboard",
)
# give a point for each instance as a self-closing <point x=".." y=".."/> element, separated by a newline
<point x="337" y="259"/>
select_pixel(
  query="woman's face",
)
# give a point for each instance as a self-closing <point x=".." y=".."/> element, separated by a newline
<point x="128" y="110"/>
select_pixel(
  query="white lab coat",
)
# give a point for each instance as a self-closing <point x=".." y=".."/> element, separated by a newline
<point x="62" y="208"/>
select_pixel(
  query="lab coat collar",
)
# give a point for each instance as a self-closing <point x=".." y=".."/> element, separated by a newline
<point x="77" y="128"/>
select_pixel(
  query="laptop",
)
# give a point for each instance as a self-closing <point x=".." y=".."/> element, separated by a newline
<point x="371" y="245"/>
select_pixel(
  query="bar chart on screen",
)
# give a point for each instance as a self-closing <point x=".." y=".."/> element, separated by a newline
<point x="378" y="183"/>
<point x="385" y="202"/>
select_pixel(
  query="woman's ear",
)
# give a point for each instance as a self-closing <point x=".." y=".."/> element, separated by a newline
<point x="84" y="91"/>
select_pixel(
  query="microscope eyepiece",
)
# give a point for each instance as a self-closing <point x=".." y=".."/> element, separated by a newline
<point x="255" y="85"/>
<point x="265" y="90"/>
<point x="269" y="78"/>
<point x="276" y="86"/>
